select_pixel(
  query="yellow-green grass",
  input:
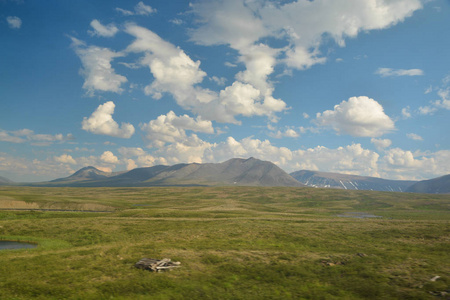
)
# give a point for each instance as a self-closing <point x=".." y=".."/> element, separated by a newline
<point x="233" y="243"/>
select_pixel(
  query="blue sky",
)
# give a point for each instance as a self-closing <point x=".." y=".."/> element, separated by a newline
<point x="348" y="86"/>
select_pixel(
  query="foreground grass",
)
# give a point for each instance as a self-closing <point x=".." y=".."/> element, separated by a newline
<point x="233" y="243"/>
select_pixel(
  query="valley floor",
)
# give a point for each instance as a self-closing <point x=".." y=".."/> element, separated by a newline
<point x="232" y="242"/>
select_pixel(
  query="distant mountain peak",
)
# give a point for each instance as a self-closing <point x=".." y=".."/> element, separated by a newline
<point x="236" y="171"/>
<point x="86" y="173"/>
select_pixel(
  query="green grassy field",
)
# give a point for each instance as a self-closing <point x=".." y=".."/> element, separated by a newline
<point x="232" y="242"/>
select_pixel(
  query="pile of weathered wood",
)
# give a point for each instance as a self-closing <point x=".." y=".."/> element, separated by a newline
<point x="156" y="265"/>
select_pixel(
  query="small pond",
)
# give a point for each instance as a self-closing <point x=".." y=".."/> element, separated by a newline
<point x="9" y="245"/>
<point x="358" y="215"/>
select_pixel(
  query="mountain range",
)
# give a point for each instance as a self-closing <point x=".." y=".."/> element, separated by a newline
<point x="241" y="172"/>
<point x="237" y="172"/>
<point x="440" y="185"/>
<point x="350" y="182"/>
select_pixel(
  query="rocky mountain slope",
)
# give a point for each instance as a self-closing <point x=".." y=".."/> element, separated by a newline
<point x="440" y="185"/>
<point x="240" y="172"/>
<point x="350" y="182"/>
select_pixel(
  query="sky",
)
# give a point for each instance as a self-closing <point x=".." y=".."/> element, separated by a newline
<point x="348" y="86"/>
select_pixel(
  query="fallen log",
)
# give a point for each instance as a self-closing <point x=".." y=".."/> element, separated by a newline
<point x="155" y="265"/>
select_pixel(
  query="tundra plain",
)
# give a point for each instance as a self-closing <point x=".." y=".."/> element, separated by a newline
<point x="232" y="242"/>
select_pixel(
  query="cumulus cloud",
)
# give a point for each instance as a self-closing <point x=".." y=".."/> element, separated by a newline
<point x="65" y="159"/>
<point x="176" y="73"/>
<point x="381" y="143"/>
<point x="359" y="116"/>
<point x="109" y="158"/>
<point x="101" y="122"/>
<point x="97" y="71"/>
<point x="388" y="72"/>
<point x="109" y="30"/>
<point x="14" y="22"/>
<point x="288" y="132"/>
<point x="404" y="164"/>
<point x="300" y="25"/>
<point x="171" y="128"/>
<point x="303" y="24"/>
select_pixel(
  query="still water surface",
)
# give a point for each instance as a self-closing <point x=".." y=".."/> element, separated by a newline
<point x="8" y="245"/>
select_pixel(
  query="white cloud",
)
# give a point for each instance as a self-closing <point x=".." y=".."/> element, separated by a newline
<point x="414" y="137"/>
<point x="403" y="164"/>
<point x="97" y="71"/>
<point x="124" y="11"/>
<point x="427" y="110"/>
<point x="381" y="143"/>
<point x="140" y="9"/>
<point x="219" y="81"/>
<point x="443" y="93"/>
<point x="231" y="65"/>
<point x="406" y="112"/>
<point x="388" y="72"/>
<point x="101" y="30"/>
<point x="349" y="159"/>
<point x="24" y="135"/>
<point x="14" y="22"/>
<point x="131" y="164"/>
<point x="227" y="22"/>
<point x="109" y="158"/>
<point x="23" y="169"/>
<point x="171" y="128"/>
<point x="7" y="137"/>
<point x="359" y="116"/>
<point x="131" y="152"/>
<point x="177" y="21"/>
<point x="65" y="159"/>
<point x="176" y="73"/>
<point x="303" y="24"/>
<point x="305" y="115"/>
<point x="288" y="132"/>
<point x="101" y="122"/>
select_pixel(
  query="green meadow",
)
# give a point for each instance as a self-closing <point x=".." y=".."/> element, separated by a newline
<point x="232" y="242"/>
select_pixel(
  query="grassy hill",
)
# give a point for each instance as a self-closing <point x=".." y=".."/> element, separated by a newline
<point x="232" y="242"/>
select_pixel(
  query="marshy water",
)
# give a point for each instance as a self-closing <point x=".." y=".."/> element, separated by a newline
<point x="358" y="215"/>
<point x="10" y="245"/>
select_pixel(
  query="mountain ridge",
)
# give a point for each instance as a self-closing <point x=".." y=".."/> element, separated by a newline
<point x="236" y="171"/>
<point x="439" y="185"/>
<point x="350" y="182"/>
